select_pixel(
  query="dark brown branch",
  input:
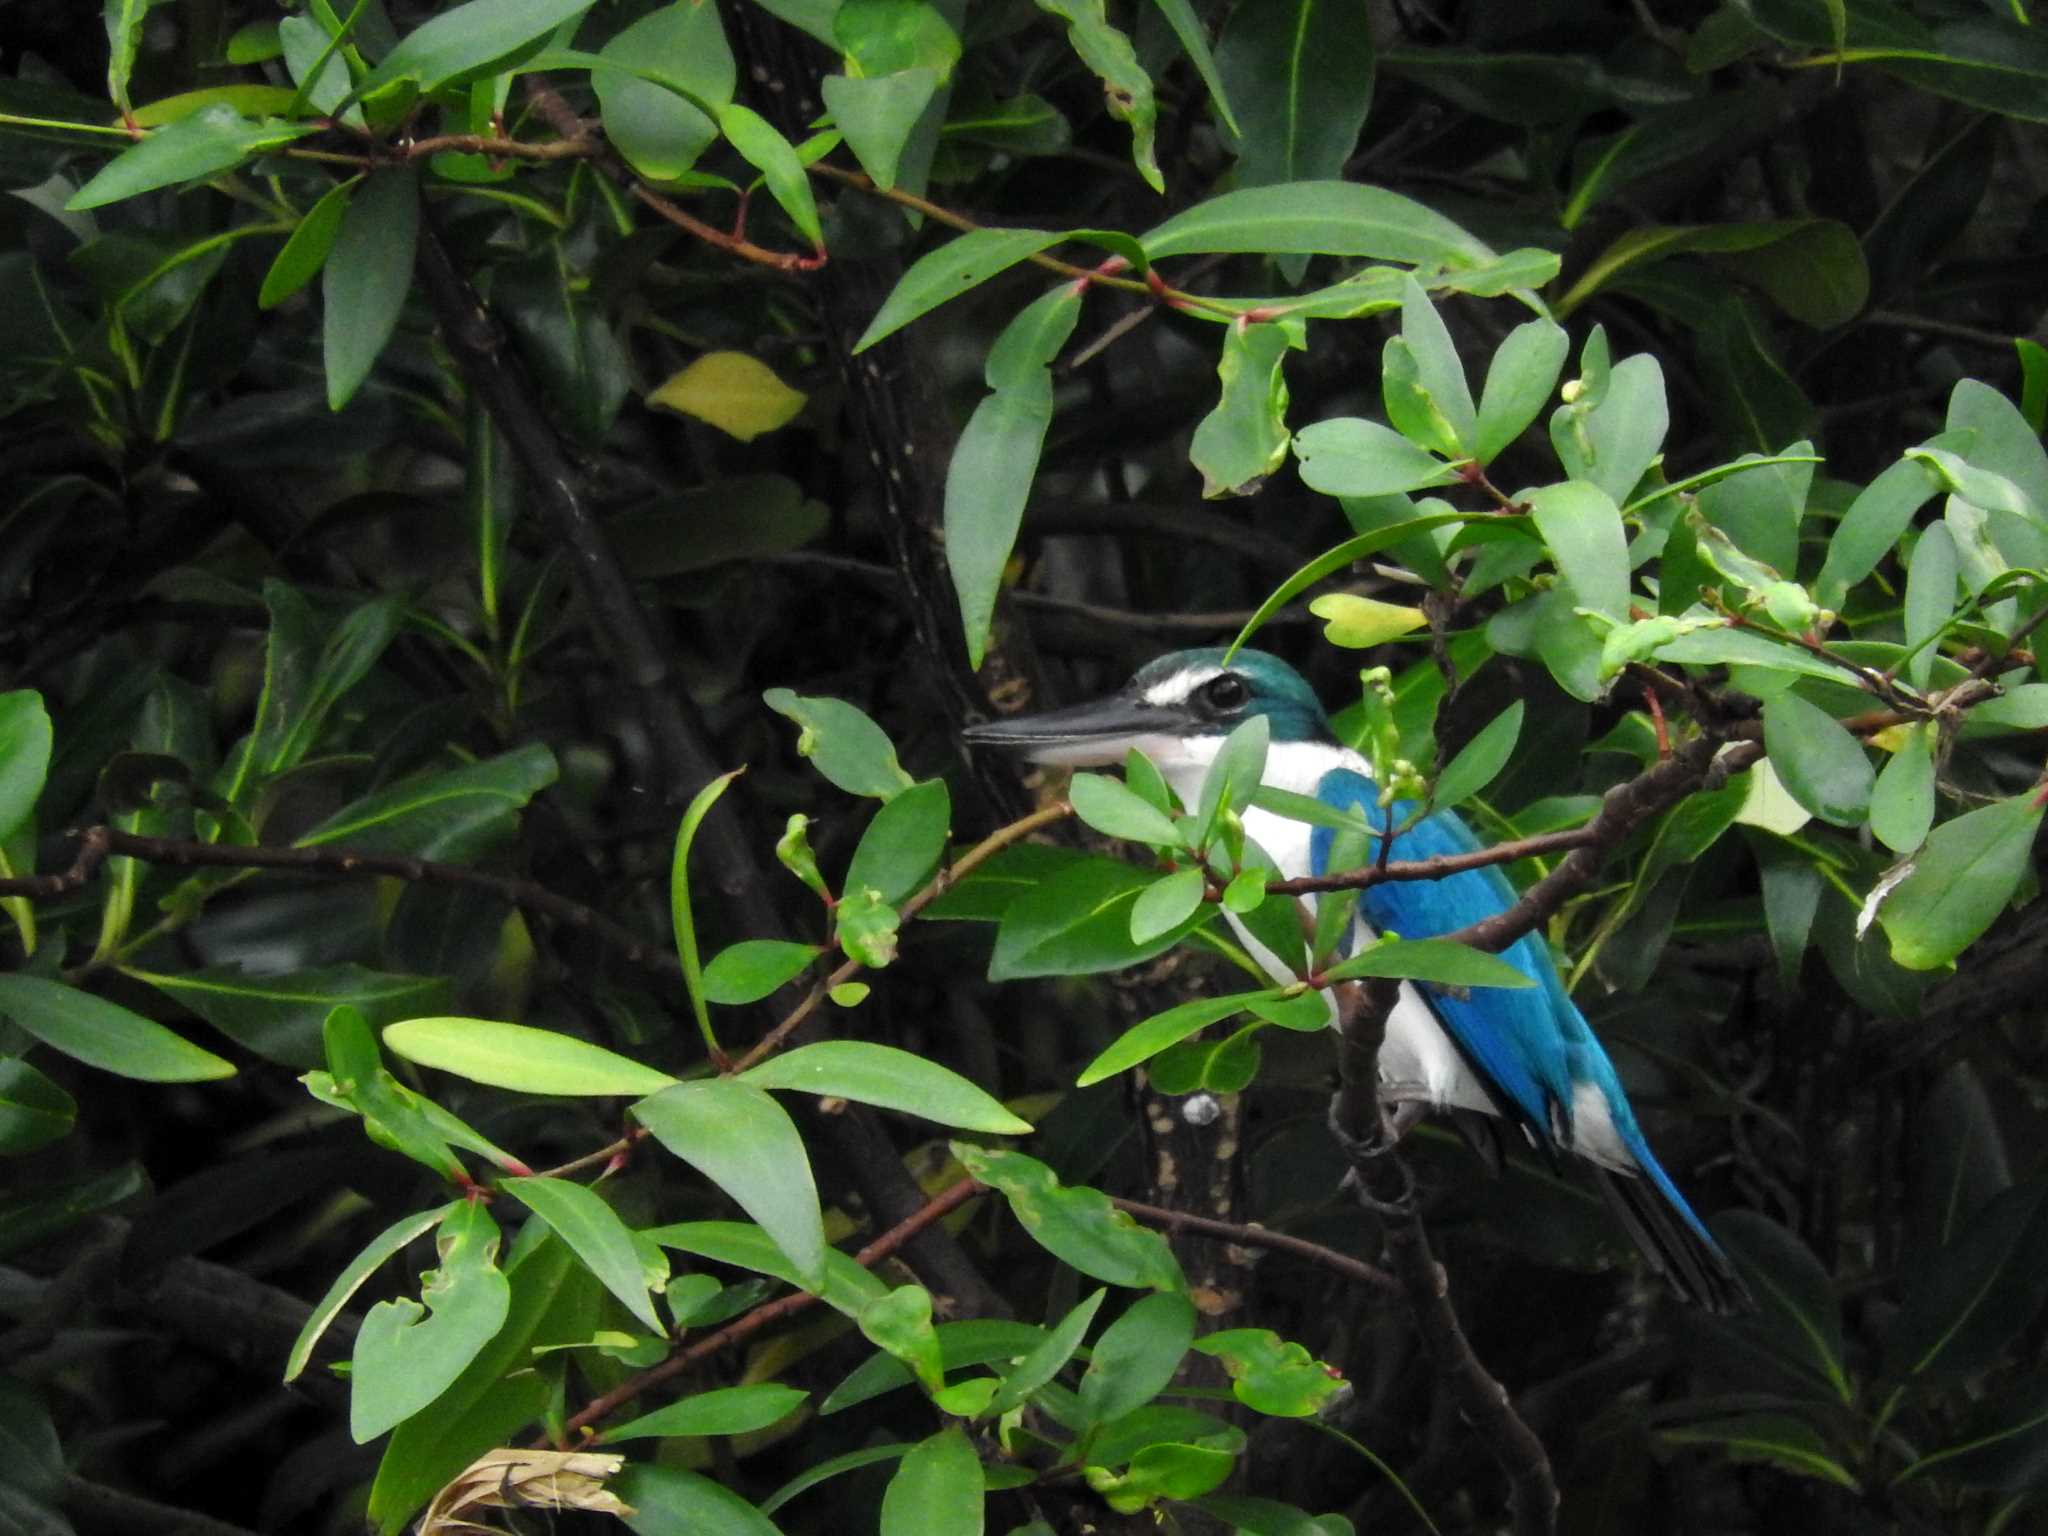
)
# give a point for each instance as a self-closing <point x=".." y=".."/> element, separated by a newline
<point x="97" y="844"/>
<point x="937" y="1208"/>
<point x="1438" y="865"/>
<point x="1260" y="1237"/>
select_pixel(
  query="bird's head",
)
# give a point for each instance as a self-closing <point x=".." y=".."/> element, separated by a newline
<point x="1175" y="710"/>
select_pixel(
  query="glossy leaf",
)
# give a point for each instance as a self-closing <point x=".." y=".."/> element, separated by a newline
<point x="900" y="1324"/>
<point x="1610" y="435"/>
<point x="753" y="969"/>
<point x="306" y="251"/>
<point x="1360" y="623"/>
<point x="848" y="1288"/>
<point x="732" y="391"/>
<point x="768" y="152"/>
<point x="1480" y="761"/>
<point x="989" y="478"/>
<point x="1335" y="218"/>
<point x="1045" y="1359"/>
<point x="1350" y="456"/>
<point x="520" y="1057"/>
<point x="1779" y="1439"/>
<point x="904" y="842"/>
<point x="938" y="1488"/>
<point x="366" y="1263"/>
<point x="1300" y="75"/>
<point x="1439" y="961"/>
<point x="33" y="1110"/>
<point x="880" y="115"/>
<point x="1115" y="810"/>
<point x="1960" y="881"/>
<point x="1127" y="89"/>
<point x="1798" y="1320"/>
<point x="453" y="815"/>
<point x="279" y="1016"/>
<point x="1136" y="1357"/>
<point x="654" y="114"/>
<point x="1902" y="803"/>
<point x="1270" y="1374"/>
<point x="889" y="1078"/>
<point x="1077" y="921"/>
<point x="367" y="277"/>
<point x="950" y="271"/>
<point x="194" y="148"/>
<point x="592" y="1229"/>
<point x="407" y="1354"/>
<point x="1075" y="1224"/>
<point x="1244" y="439"/>
<point x="24" y="756"/>
<point x="1144" y="1040"/>
<point x="470" y="40"/>
<point x="843" y="744"/>
<point x="1965" y="1163"/>
<point x="672" y="1502"/>
<point x="104" y="1034"/>
<point x="1821" y="764"/>
<point x="1519" y="382"/>
<point x="743" y="1141"/>
<point x="1930" y="600"/>
<point x="1966" y="1302"/>
<point x="1582" y="526"/>
<point x="723" y="1411"/>
<point x="1166" y="903"/>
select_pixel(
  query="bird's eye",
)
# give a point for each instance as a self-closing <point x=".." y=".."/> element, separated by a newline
<point x="1226" y="693"/>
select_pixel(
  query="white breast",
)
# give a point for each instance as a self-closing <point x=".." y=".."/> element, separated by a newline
<point x="1418" y="1061"/>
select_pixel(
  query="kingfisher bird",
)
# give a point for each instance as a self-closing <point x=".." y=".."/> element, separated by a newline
<point x="1524" y="1055"/>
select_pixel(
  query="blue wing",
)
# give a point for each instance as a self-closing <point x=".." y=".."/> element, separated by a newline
<point x="1532" y="1048"/>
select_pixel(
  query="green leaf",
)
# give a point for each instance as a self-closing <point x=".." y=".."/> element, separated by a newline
<point x="1270" y="1374"/>
<point x="904" y="843"/>
<point x="1187" y="27"/>
<point x="1115" y="811"/>
<point x="1930" y="600"/>
<point x="1798" y="1321"/>
<point x="1438" y="961"/>
<point x="937" y="1489"/>
<point x="1075" y="1224"/>
<point x="1301" y="75"/>
<point x="681" y="910"/>
<point x="454" y="815"/>
<point x="1076" y="921"/>
<point x="890" y="1078"/>
<point x="667" y="1501"/>
<point x="972" y="1341"/>
<point x="1146" y="1039"/>
<point x="125" y="22"/>
<point x="989" y="478"/>
<point x="1610" y="433"/>
<point x="843" y="744"/>
<point x="1481" y="759"/>
<point x="1234" y="775"/>
<point x="366" y="1263"/>
<point x="1127" y="89"/>
<point x="1822" y="766"/>
<point x="1902" y="804"/>
<point x="1812" y="269"/>
<point x="1966" y="1302"/>
<point x="1438" y="373"/>
<point x="1518" y="383"/>
<point x="879" y="116"/>
<point x="1244" y="439"/>
<point x="768" y="152"/>
<point x="1360" y="623"/>
<point x="1332" y="218"/>
<point x="407" y="1354"/>
<point x="1046" y="1358"/>
<point x="553" y="1298"/>
<point x="1965" y="1163"/>
<point x="103" y="1034"/>
<point x="594" y="1233"/>
<point x="900" y="1323"/>
<point x="367" y="277"/>
<point x="520" y="1057"/>
<point x="305" y="252"/>
<point x="1779" y="1439"/>
<point x="1350" y="456"/>
<point x="279" y="1016"/>
<point x="215" y="139"/>
<point x="1136" y="1357"/>
<point x="1166" y="1470"/>
<point x="1985" y="62"/>
<point x="753" y="969"/>
<point x="848" y="1288"/>
<point x="652" y="116"/>
<point x="726" y="1411"/>
<point x="470" y="41"/>
<point x="33" y="1110"/>
<point x="1582" y="527"/>
<point x="1165" y="904"/>
<point x="866" y="927"/>
<point x="1960" y="882"/>
<point x="24" y="756"/>
<point x="1759" y="504"/>
<point x="742" y="1141"/>
<point x="950" y="271"/>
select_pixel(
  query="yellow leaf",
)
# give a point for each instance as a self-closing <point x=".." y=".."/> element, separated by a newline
<point x="1356" y="622"/>
<point x="738" y="394"/>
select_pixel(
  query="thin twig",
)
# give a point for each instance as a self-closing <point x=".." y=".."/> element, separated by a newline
<point x="1260" y="1237"/>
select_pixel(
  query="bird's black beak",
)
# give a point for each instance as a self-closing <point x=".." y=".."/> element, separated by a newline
<point x="1098" y="732"/>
